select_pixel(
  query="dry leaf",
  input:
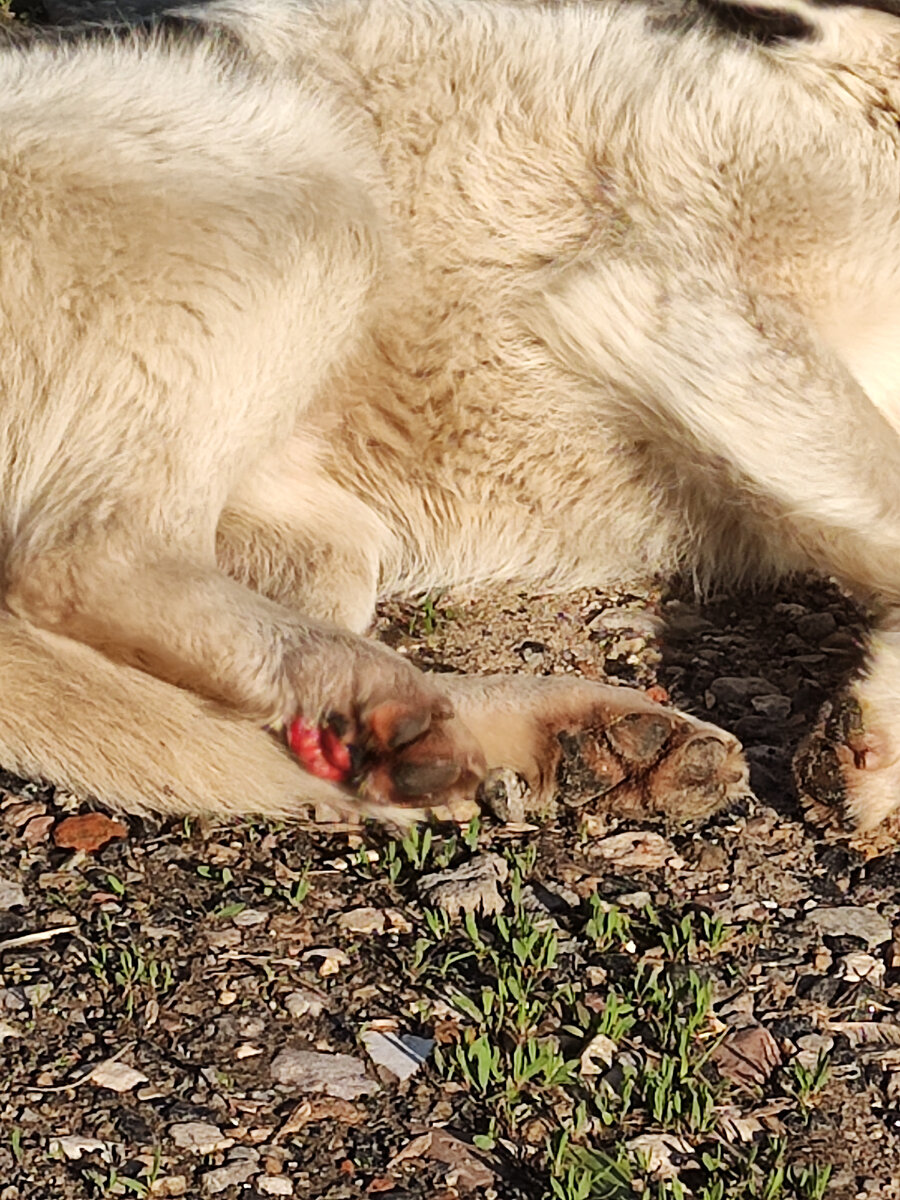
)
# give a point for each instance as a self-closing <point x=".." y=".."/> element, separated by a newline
<point x="441" y="1146"/>
<point x="597" y="1055"/>
<point x="663" y="1154"/>
<point x="321" y="1108"/>
<point x="638" y="850"/>
<point x="867" y="1033"/>
<point x="471" y="887"/>
<point x="37" y="830"/>
<point x="88" y="832"/>
<point x="116" y="1076"/>
<point x="747" y="1056"/>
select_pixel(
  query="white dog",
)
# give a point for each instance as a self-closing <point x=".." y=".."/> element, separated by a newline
<point x="321" y="301"/>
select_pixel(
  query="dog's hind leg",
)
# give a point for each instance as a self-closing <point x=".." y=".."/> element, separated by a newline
<point x="298" y="536"/>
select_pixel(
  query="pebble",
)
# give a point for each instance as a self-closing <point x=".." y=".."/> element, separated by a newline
<point x="850" y="921"/>
<point x="275" y="1185"/>
<point x="12" y="895"/>
<point x="739" y="689"/>
<point x="200" y="1137"/>
<point x="776" y="708"/>
<point x="362" y="920"/>
<point x="310" y="1071"/>
<point x="813" y="627"/>
<point x="471" y="887"/>
<point x="230" y="1175"/>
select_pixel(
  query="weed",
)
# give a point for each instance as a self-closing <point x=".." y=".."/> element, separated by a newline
<point x="805" y="1083"/>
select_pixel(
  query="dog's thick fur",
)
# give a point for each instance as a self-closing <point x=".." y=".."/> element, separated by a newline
<point x="359" y="296"/>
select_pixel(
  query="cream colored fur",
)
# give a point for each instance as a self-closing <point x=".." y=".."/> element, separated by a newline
<point x="408" y="293"/>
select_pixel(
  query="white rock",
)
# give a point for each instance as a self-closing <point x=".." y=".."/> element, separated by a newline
<point x="311" y="1071"/>
<point x="275" y="1185"/>
<point x="228" y="1176"/>
<point x="849" y="921"/>
<point x="401" y="1055"/>
<point x="117" y="1076"/>
<point x="200" y="1137"/>
<point x="12" y="895"/>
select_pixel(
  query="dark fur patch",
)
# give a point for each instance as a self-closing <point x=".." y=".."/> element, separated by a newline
<point x="759" y="24"/>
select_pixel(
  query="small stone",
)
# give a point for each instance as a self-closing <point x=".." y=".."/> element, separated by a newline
<point x="230" y="1175"/>
<point x="199" y="1137"/>
<point x="774" y="708"/>
<point x="814" y="627"/>
<point x="169" y="1186"/>
<point x="12" y="895"/>
<point x="248" y="917"/>
<point x="851" y="921"/>
<point x="310" y="1072"/>
<point x="362" y="920"/>
<point x="739" y="689"/>
<point x="275" y="1185"/>
<point x="471" y="887"/>
<point x="402" y="1055"/>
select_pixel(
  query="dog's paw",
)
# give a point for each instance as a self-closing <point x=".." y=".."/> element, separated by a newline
<point x="393" y="755"/>
<point x="847" y="771"/>
<point x="573" y="742"/>
<point x="662" y="762"/>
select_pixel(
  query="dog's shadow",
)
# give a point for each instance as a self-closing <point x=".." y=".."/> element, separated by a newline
<point x="761" y="664"/>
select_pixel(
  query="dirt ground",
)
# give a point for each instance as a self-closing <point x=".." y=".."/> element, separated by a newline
<point x="212" y="1008"/>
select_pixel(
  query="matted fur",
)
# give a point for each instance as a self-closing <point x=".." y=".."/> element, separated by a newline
<point x="374" y="295"/>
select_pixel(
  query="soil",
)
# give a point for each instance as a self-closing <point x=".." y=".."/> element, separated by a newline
<point x="195" y="953"/>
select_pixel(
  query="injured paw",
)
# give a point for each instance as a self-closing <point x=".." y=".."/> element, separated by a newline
<point x="396" y="757"/>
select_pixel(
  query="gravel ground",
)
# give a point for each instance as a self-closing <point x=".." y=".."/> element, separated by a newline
<point x="198" y="1018"/>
